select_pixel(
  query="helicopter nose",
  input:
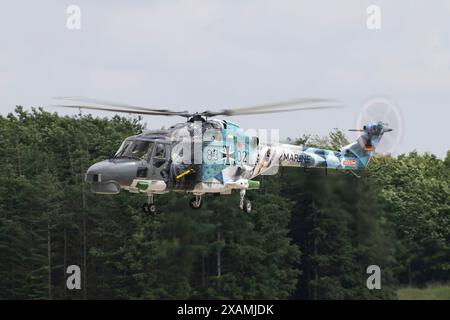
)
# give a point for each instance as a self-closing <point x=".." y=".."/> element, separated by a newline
<point x="100" y="177"/>
<point x="107" y="177"/>
<point x="98" y="172"/>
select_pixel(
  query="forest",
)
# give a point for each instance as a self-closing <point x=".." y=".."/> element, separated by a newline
<point x="310" y="235"/>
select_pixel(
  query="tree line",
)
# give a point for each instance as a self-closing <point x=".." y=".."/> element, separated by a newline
<point x="310" y="235"/>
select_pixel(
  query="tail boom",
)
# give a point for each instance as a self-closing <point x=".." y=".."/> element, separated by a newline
<point x="354" y="156"/>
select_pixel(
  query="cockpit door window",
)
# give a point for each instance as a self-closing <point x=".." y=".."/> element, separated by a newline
<point x="160" y="151"/>
<point x="159" y="164"/>
<point x="159" y="154"/>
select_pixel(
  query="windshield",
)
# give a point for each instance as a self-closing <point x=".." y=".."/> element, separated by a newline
<point x="122" y="148"/>
<point x="134" y="149"/>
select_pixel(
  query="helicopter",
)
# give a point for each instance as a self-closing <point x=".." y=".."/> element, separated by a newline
<point x="207" y="155"/>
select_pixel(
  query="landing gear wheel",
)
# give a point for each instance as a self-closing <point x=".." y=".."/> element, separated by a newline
<point x="149" y="208"/>
<point x="247" y="206"/>
<point x="195" y="203"/>
<point x="152" y="208"/>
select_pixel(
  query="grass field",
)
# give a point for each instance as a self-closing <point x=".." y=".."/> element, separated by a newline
<point x="432" y="292"/>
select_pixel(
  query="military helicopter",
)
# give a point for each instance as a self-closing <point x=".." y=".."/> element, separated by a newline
<point x="206" y="155"/>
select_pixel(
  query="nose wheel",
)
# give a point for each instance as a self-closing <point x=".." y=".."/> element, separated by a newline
<point x="149" y="207"/>
<point x="245" y="204"/>
<point x="196" y="202"/>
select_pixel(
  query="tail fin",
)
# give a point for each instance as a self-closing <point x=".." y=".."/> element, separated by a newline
<point x="358" y="153"/>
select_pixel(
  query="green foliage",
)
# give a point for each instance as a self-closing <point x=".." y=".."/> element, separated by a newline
<point x="310" y="236"/>
<point x="49" y="220"/>
<point x="334" y="141"/>
<point x="415" y="193"/>
<point x="432" y="292"/>
<point x="339" y="227"/>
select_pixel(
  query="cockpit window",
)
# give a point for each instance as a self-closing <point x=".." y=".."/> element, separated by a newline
<point x="135" y="149"/>
<point x="140" y="148"/>
<point x="123" y="148"/>
<point x="160" y="151"/>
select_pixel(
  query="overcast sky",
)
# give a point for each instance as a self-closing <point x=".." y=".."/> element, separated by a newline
<point x="212" y="54"/>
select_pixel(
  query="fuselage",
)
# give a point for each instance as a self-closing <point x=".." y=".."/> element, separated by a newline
<point x="208" y="156"/>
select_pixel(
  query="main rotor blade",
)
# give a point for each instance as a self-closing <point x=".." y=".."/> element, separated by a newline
<point x="287" y="106"/>
<point x="122" y="105"/>
<point x="284" y="110"/>
<point x="151" y="113"/>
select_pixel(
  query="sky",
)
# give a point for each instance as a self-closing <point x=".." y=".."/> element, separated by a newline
<point x="211" y="54"/>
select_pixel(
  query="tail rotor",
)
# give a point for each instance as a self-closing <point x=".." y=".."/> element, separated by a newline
<point x="374" y="117"/>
